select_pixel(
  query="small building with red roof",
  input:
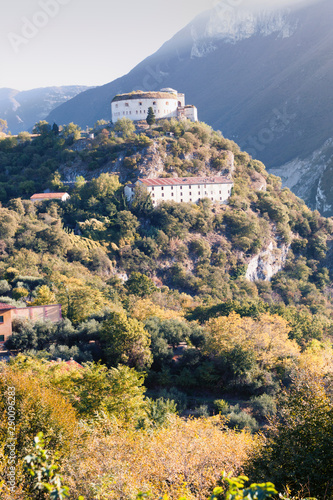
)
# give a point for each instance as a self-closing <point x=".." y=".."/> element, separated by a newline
<point x="49" y="197"/>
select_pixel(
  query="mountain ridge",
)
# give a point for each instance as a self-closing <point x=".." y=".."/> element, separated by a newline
<point x="269" y="93"/>
<point x="22" y="109"/>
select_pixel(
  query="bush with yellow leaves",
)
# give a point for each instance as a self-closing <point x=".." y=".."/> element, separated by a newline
<point x="184" y="458"/>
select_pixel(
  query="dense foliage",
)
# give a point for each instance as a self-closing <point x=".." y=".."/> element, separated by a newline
<point x="164" y="314"/>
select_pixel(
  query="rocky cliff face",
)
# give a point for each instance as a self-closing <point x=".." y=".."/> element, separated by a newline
<point x="149" y="162"/>
<point x="268" y="262"/>
<point x="234" y="25"/>
<point x="311" y="178"/>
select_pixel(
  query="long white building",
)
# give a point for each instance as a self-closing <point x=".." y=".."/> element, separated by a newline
<point x="167" y="103"/>
<point x="184" y="190"/>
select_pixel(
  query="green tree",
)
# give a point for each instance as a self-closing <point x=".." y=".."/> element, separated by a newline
<point x="55" y="129"/>
<point x="142" y="203"/>
<point x="79" y="181"/>
<point x="42" y="128"/>
<point x="24" y="137"/>
<point x="3" y="125"/>
<point x="8" y="223"/>
<point x="128" y="223"/>
<point x="78" y="300"/>
<point x="125" y="126"/>
<point x="56" y="183"/>
<point x="151" y="118"/>
<point x="140" y="285"/>
<point x="125" y="341"/>
<point x="44" y="296"/>
<point x="299" y="452"/>
<point x="71" y="131"/>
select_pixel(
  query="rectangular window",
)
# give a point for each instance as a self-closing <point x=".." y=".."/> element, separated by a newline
<point x="1" y="319"/>
<point x="2" y="338"/>
<point x="190" y="193"/>
<point x="172" y="194"/>
<point x="162" y="188"/>
<point x="154" y="103"/>
<point x="126" y="105"/>
<point x="140" y="103"/>
<point x="152" y="188"/>
<point x="162" y="195"/>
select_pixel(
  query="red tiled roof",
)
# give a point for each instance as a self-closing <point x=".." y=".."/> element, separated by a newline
<point x="180" y="181"/>
<point x="5" y="307"/>
<point x="51" y="196"/>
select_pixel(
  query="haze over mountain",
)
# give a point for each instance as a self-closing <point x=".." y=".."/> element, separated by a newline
<point x="22" y="110"/>
<point x="264" y="78"/>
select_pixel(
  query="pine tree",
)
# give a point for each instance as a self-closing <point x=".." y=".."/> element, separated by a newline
<point x="151" y="118"/>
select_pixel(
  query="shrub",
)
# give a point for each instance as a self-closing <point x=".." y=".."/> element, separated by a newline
<point x="264" y="405"/>
<point x="242" y="420"/>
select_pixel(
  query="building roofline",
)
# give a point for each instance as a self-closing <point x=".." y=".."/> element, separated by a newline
<point x="179" y="181"/>
<point x="47" y="195"/>
<point x="34" y="307"/>
<point x="144" y="95"/>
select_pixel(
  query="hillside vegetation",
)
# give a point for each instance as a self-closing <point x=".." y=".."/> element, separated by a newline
<point x="163" y="299"/>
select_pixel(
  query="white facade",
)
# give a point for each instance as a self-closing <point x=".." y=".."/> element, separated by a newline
<point x="190" y="189"/>
<point x="188" y="113"/>
<point x="167" y="103"/>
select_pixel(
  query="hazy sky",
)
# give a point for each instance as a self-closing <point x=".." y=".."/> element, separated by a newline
<point x="89" y="42"/>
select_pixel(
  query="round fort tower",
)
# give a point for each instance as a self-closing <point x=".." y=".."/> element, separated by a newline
<point x="166" y="103"/>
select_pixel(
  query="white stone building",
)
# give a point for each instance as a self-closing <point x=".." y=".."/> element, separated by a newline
<point x="167" y="103"/>
<point x="188" y="189"/>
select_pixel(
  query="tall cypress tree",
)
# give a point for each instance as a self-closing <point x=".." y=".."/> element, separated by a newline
<point x="151" y="118"/>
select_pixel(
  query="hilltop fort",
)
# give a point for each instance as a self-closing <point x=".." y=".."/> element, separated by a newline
<point x="167" y="103"/>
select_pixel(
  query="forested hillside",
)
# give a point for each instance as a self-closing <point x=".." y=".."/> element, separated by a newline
<point x="222" y="314"/>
